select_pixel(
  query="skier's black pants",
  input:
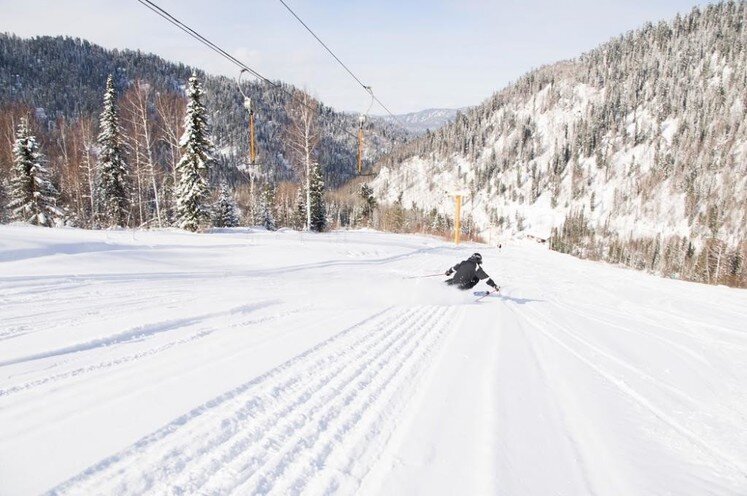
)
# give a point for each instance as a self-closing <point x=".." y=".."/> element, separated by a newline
<point x="464" y="285"/>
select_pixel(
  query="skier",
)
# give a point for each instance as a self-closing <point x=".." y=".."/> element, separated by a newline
<point x="468" y="273"/>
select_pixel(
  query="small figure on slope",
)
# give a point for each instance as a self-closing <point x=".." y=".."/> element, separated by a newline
<point x="468" y="273"/>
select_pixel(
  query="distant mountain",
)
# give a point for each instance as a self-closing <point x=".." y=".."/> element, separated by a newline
<point x="420" y="122"/>
<point x="63" y="77"/>
<point x="636" y="152"/>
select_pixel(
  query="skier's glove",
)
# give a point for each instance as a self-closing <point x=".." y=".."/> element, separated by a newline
<point x="492" y="284"/>
<point x="449" y="272"/>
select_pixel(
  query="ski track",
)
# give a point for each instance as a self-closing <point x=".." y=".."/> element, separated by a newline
<point x="691" y="326"/>
<point x="125" y="359"/>
<point x="297" y="428"/>
<point x="109" y="310"/>
<point x="685" y="351"/>
<point x="580" y="462"/>
<point x="633" y="313"/>
<point x="703" y="445"/>
<point x="680" y="348"/>
<point x="140" y="332"/>
<point x="727" y="410"/>
<point x="599" y="351"/>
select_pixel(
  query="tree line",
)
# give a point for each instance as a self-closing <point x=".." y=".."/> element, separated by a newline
<point x="56" y="85"/>
<point x="673" y="256"/>
<point x="118" y="178"/>
<point x="59" y="81"/>
<point x="151" y="162"/>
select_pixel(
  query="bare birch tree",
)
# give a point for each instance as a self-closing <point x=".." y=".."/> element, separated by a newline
<point x="140" y="139"/>
<point x="302" y="138"/>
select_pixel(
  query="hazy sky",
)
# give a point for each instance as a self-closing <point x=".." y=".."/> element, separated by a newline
<point x="416" y="54"/>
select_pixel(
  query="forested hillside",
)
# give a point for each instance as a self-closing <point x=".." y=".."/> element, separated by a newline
<point x="62" y="79"/>
<point x="635" y="152"/>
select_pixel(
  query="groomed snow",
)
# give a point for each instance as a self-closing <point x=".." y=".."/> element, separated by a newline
<point x="244" y="362"/>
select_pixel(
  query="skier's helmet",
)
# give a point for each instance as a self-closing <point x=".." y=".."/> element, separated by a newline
<point x="477" y="258"/>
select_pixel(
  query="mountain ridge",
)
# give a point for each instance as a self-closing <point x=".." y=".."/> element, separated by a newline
<point x="425" y="120"/>
<point x="641" y="141"/>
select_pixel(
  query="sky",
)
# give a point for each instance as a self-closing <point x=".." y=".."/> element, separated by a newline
<point x="415" y="54"/>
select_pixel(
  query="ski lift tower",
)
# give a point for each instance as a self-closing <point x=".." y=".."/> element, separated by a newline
<point x="458" y="194"/>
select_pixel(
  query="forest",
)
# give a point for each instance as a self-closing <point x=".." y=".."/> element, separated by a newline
<point x="57" y="85"/>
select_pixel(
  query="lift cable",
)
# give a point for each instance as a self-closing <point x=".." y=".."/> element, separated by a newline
<point x="326" y="47"/>
<point x="244" y="67"/>
<point x="216" y="48"/>
<point x="323" y="44"/>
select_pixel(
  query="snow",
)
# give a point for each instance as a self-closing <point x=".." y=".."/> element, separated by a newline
<point x="669" y="128"/>
<point x="252" y="362"/>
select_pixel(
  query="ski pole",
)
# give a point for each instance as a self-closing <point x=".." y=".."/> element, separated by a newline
<point x="421" y="277"/>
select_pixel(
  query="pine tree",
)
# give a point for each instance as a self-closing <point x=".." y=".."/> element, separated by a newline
<point x="369" y="202"/>
<point x="33" y="198"/>
<point x="225" y="212"/>
<point x="112" y="187"/>
<point x="397" y="215"/>
<point x="737" y="265"/>
<point x="268" y="201"/>
<point x="316" y="200"/>
<point x="192" y="190"/>
<point x="299" y="213"/>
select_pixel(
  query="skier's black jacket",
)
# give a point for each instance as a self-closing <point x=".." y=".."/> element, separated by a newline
<point x="467" y="274"/>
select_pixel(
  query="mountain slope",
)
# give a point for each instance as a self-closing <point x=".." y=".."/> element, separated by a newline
<point x="64" y="77"/>
<point x="634" y="150"/>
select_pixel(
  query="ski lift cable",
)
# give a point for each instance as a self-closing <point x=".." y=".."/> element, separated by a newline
<point x="216" y="48"/>
<point x="326" y="47"/>
<point x="367" y="88"/>
<point x="361" y="121"/>
<point x="245" y="68"/>
<point x="173" y="20"/>
<point x="323" y="44"/>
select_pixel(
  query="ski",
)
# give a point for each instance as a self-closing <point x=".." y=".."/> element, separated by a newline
<point x="483" y="294"/>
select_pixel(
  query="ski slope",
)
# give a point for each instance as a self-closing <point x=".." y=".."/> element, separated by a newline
<point x="246" y="362"/>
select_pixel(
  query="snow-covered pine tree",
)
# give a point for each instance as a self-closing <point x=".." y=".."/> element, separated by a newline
<point x="268" y="202"/>
<point x="225" y="212"/>
<point x="192" y="190"/>
<point x="299" y="213"/>
<point x="397" y="217"/>
<point x="369" y="203"/>
<point x="316" y="199"/>
<point x="112" y="186"/>
<point x="33" y="198"/>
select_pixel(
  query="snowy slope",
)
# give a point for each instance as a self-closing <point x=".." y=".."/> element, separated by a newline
<point x="645" y="134"/>
<point x="245" y="362"/>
